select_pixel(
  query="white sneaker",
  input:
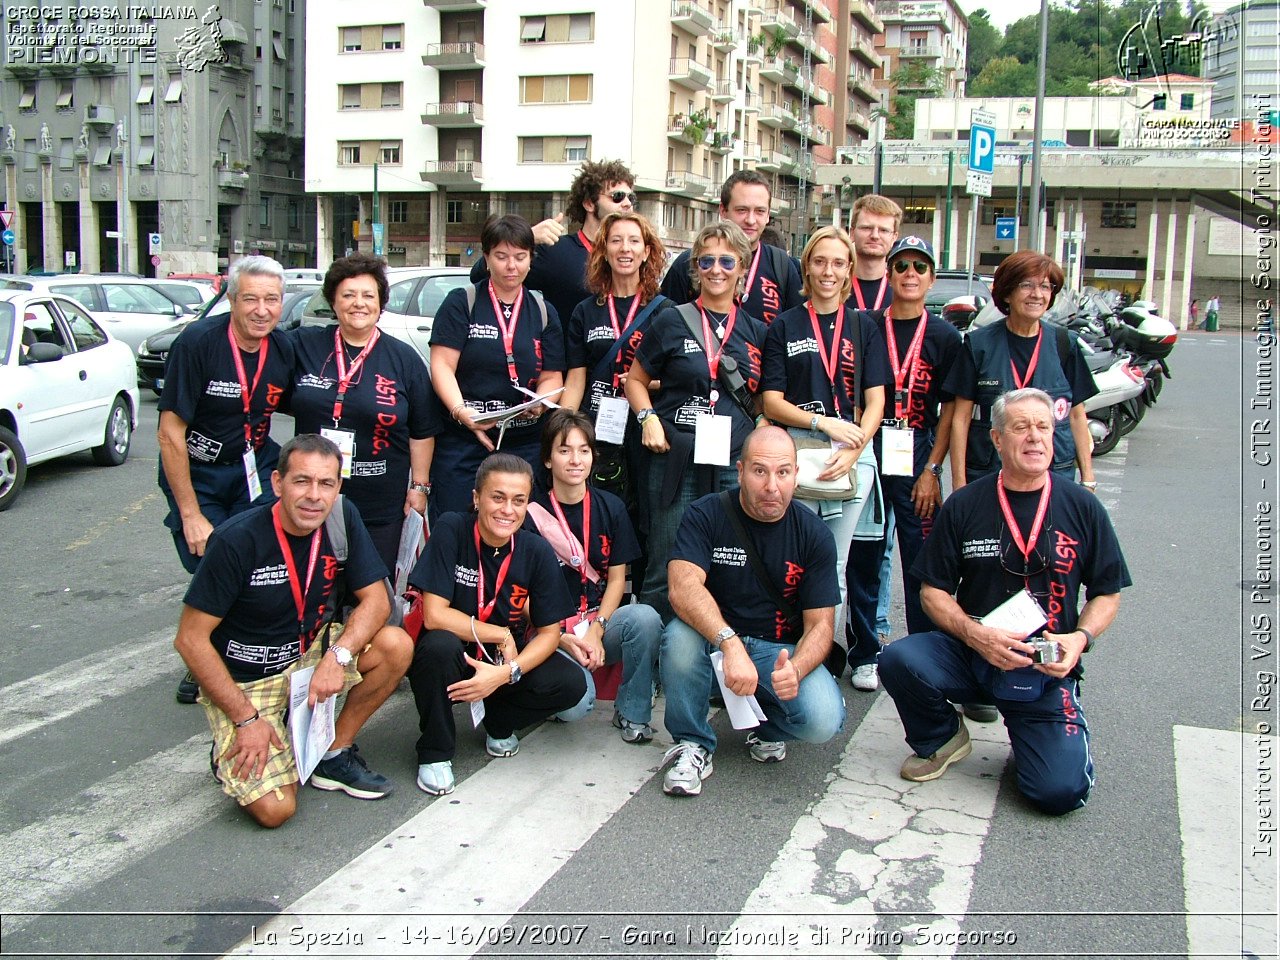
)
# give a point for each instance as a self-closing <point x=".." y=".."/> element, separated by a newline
<point x="766" y="751"/>
<point x="692" y="766"/>
<point x="865" y="678"/>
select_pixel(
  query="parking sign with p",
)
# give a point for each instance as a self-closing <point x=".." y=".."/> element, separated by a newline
<point x="982" y="142"/>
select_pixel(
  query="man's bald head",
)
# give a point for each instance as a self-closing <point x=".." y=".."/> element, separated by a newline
<point x="769" y="435"/>
<point x="767" y="474"/>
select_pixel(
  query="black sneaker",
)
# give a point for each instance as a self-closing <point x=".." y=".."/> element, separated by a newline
<point x="349" y="773"/>
<point x="188" y="689"/>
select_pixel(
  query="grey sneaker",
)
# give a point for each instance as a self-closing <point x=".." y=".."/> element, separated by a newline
<point x="506" y="747"/>
<point x="981" y="712"/>
<point x="766" y="751"/>
<point x="866" y="678"/>
<point x="632" y="732"/>
<point x="349" y="773"/>
<point x="436" y="778"/>
<point x="922" y="769"/>
<point x="692" y="766"/>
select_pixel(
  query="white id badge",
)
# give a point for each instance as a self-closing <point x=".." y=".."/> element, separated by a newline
<point x="346" y="443"/>
<point x="897" y="451"/>
<point x="611" y="419"/>
<point x="712" y="439"/>
<point x="477" y="712"/>
<point x="251" y="475"/>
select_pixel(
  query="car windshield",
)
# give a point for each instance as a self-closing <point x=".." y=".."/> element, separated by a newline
<point x="6" y="330"/>
<point x="944" y="288"/>
<point x="187" y="296"/>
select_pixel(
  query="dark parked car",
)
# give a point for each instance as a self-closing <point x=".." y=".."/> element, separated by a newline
<point x="953" y="284"/>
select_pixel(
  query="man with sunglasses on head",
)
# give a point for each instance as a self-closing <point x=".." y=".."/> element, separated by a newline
<point x="773" y="279"/>
<point x="1019" y="531"/>
<point x="559" y="267"/>
<point x="909" y="449"/>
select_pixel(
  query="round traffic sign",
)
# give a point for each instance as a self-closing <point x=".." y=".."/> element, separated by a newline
<point x="155" y="260"/>
<point x="8" y="237"/>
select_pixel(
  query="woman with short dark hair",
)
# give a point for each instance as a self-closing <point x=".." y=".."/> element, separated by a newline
<point x="1022" y="350"/>
<point x="491" y="343"/>
<point x="371" y="396"/>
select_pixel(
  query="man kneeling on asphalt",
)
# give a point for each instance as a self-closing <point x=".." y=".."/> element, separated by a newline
<point x="1018" y="530"/>
<point x="259" y="608"/>
<point x="721" y="604"/>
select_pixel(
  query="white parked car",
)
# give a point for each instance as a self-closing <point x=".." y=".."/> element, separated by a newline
<point x="66" y="385"/>
<point x="129" y="307"/>
<point x="303" y="273"/>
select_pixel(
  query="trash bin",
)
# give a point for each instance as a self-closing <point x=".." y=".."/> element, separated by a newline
<point x="1211" y="321"/>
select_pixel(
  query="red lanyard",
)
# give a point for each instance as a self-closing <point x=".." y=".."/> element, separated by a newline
<point x="582" y="235"/>
<point x="1021" y="382"/>
<point x="713" y="356"/>
<point x="751" y="275"/>
<point x="485" y="610"/>
<point x="1027" y="545"/>
<point x="246" y="390"/>
<point x="831" y="358"/>
<point x="345" y="375"/>
<point x="300" y="590"/>
<point x="857" y="293"/>
<point x="617" y="330"/>
<point x="508" y="332"/>
<point x="578" y="560"/>
<point x="906" y="371"/>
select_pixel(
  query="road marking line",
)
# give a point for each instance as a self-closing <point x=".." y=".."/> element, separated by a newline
<point x="476" y="856"/>
<point x="67" y="690"/>
<point x="876" y="842"/>
<point x="96" y="532"/>
<point x="1221" y="880"/>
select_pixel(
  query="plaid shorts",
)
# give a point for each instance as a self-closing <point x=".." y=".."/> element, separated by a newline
<point x="270" y="697"/>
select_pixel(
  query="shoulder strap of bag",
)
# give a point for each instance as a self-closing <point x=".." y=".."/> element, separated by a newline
<point x="1064" y="348"/>
<point x="606" y="362"/>
<point x="753" y="557"/>
<point x="860" y="362"/>
<point x="537" y="296"/>
<point x="689" y="313"/>
<point x="780" y="263"/>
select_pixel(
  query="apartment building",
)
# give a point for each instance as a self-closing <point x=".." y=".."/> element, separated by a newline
<point x="463" y="108"/>
<point x="192" y="129"/>
<point x="930" y="33"/>
<point x="1240" y="53"/>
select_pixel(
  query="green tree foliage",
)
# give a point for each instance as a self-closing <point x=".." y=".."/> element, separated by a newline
<point x="984" y="43"/>
<point x="913" y="79"/>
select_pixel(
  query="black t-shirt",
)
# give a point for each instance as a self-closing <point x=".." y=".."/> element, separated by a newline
<point x="793" y="365"/>
<point x="613" y="540"/>
<point x="482" y="365"/>
<point x="244" y="580"/>
<point x="772" y="290"/>
<point x="559" y="270"/>
<point x="871" y="294"/>
<point x="388" y="403"/>
<point x="798" y="552"/>
<point x="970" y="552"/>
<point x="669" y="353"/>
<point x="590" y="337"/>
<point x="532" y="588"/>
<point x="202" y="386"/>
<point x="963" y="380"/>
<point x="941" y="345"/>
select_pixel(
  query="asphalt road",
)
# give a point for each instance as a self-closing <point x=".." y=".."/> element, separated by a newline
<point x="111" y="822"/>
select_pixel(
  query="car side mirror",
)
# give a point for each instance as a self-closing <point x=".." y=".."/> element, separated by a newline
<point x="43" y="353"/>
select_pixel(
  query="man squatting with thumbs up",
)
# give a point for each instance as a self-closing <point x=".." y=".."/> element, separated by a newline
<point x="722" y="603"/>
<point x="559" y="266"/>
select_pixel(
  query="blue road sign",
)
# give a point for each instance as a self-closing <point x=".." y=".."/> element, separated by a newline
<point x="8" y="237"/>
<point x="1005" y="227"/>
<point x="982" y="148"/>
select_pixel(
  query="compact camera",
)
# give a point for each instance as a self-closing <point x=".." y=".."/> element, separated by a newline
<point x="1045" y="651"/>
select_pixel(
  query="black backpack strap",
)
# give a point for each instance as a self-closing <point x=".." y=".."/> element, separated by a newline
<point x="691" y="317"/>
<point x="606" y="363"/>
<point x="1063" y="339"/>
<point x="780" y="263"/>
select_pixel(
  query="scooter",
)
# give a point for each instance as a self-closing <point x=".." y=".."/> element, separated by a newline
<point x="1118" y="405"/>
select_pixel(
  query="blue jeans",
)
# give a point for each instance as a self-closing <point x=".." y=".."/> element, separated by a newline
<point x="815" y="715"/>
<point x="923" y="671"/>
<point x="883" y="626"/>
<point x="840" y="516"/>
<point x="633" y="636"/>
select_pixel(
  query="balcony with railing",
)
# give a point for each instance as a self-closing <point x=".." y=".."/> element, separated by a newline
<point x="459" y="113"/>
<point x="689" y="73"/>
<point x="454" y="56"/>
<point x="780" y="69"/>
<point x="723" y="143"/>
<point x="860" y="82"/>
<point x="860" y="120"/>
<point x="725" y="39"/>
<point x="688" y="184"/>
<point x="453" y="173"/>
<point x="692" y="17"/>
<point x="775" y="115"/>
<point x="820" y="11"/>
<point x="771" y="161"/>
<point x="779" y="20"/>
<point x="724" y="91"/>
<point x="454" y="6"/>
<point x="865" y="13"/>
<point x="867" y="53"/>
<point x="930" y="51"/>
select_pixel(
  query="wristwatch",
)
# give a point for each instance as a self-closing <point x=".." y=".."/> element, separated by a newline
<point x="604" y="623"/>
<point x="727" y="633"/>
<point x="1088" y="639"/>
<point x="417" y="487"/>
<point x="936" y="470"/>
<point x="813" y="423"/>
<point x="644" y="415"/>
<point x="342" y="655"/>
<point x="516" y="673"/>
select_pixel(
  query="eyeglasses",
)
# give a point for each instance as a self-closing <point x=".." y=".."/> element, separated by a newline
<point x="617" y="196"/>
<point x="1030" y="286"/>
<point x="920" y="266"/>
<point x="727" y="263"/>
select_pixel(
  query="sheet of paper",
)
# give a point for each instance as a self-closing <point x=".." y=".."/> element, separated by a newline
<point x="611" y="419"/>
<point x="310" y="729"/>
<point x="251" y="475"/>
<point x="897" y="452"/>
<point x="712" y="439"/>
<point x="541" y="398"/>
<point x="497" y="416"/>
<point x="477" y="712"/>
<point x="346" y="443"/>
<point x="412" y="536"/>
<point x="1020" y="614"/>
<point x="744" y="712"/>
<point x="581" y="627"/>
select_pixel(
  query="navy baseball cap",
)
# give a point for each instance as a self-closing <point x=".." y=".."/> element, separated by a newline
<point x="913" y="245"/>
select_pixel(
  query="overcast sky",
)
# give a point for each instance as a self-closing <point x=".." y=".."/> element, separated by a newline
<point x="1005" y="12"/>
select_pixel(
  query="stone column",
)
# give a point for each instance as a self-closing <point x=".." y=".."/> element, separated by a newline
<point x="938" y="202"/>
<point x="438" y="231"/>
<point x="1078" y="227"/>
<point x="19" y="250"/>
<point x="1188" y="256"/>
<point x="49" y="216"/>
<point x="1153" y="238"/>
<point x="1059" y="227"/>
<point x="324" y="231"/>
<point x="1166" y="294"/>
<point x="90" y="234"/>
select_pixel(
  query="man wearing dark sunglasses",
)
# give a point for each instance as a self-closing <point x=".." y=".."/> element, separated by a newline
<point x="1063" y="540"/>
<point x="772" y="278"/>
<point x="559" y="267"/>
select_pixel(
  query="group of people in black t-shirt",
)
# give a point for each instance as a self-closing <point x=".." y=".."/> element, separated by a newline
<point x="658" y="475"/>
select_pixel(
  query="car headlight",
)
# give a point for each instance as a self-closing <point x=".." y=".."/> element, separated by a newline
<point x="142" y="350"/>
